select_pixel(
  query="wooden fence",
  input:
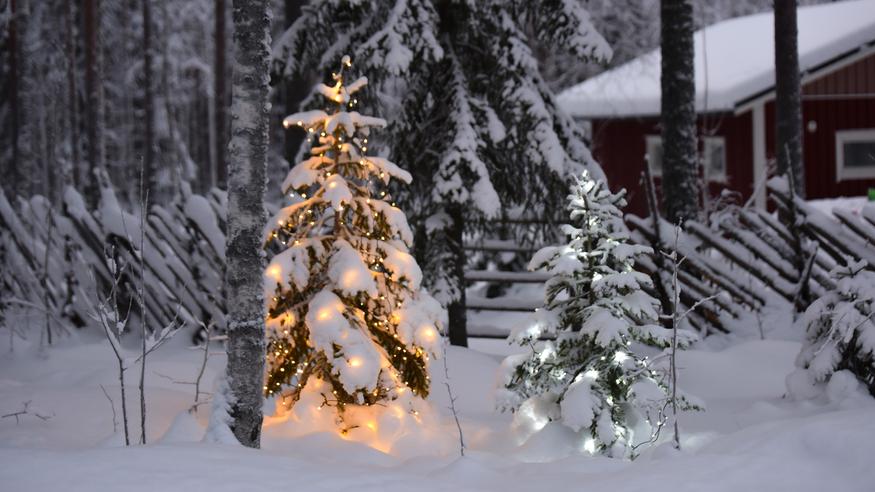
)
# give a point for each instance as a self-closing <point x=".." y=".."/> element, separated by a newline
<point x="746" y="255"/>
<point x="58" y="260"/>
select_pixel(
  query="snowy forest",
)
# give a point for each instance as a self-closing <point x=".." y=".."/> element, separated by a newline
<point x="437" y="244"/>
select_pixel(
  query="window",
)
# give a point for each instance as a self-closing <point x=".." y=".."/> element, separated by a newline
<point x="714" y="158"/>
<point x="713" y="153"/>
<point x="855" y="154"/>
<point x="653" y="154"/>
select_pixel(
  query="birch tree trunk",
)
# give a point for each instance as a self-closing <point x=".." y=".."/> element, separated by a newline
<point x="788" y="100"/>
<point x="680" y="186"/>
<point x="247" y="152"/>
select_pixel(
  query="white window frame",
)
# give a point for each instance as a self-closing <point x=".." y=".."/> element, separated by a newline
<point x="651" y="141"/>
<point x="707" y="144"/>
<point x="846" y="136"/>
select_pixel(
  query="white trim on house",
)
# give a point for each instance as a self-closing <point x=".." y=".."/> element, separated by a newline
<point x="708" y="146"/>
<point x="842" y="137"/>
<point x="653" y="156"/>
<point x="808" y="77"/>
<point x="651" y="144"/>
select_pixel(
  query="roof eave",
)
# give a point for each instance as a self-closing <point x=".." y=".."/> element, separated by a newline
<point x="633" y="116"/>
<point x="822" y="69"/>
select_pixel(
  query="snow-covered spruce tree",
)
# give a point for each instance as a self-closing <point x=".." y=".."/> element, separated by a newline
<point x="347" y="314"/>
<point x="467" y="105"/>
<point x="593" y="378"/>
<point x="840" y="335"/>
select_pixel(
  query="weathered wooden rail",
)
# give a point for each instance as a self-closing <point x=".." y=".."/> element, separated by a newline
<point x="68" y="251"/>
<point x="58" y="258"/>
<point x="743" y="260"/>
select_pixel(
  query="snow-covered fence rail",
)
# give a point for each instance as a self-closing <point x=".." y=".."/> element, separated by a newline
<point x="745" y="253"/>
<point x="499" y="263"/>
<point x="55" y="260"/>
<point x="749" y="255"/>
<point x="844" y="236"/>
<point x="699" y="276"/>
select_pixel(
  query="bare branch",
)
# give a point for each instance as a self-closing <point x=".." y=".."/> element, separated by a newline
<point x="112" y="406"/>
<point x="27" y="411"/>
<point x="197" y="386"/>
<point x="28" y="304"/>
<point x="452" y="400"/>
<point x="699" y="303"/>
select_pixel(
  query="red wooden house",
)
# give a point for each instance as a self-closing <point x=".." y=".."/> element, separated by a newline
<point x="735" y="81"/>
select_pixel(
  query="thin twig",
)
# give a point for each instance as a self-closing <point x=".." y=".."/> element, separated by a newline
<point x="113" y="329"/>
<point x="452" y="400"/>
<point x="699" y="303"/>
<point x="200" y="374"/>
<point x="171" y="378"/>
<point x="26" y="411"/>
<point x="45" y="276"/>
<point x="28" y="304"/>
<point x="141" y="297"/>
<point x="674" y="338"/>
<point x="112" y="406"/>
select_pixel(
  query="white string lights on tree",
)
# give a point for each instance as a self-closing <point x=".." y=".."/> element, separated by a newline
<point x="347" y="309"/>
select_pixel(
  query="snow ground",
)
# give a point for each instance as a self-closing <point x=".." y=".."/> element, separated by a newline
<point x="749" y="439"/>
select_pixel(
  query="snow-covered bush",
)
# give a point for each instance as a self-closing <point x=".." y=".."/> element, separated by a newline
<point x="347" y="315"/>
<point x="840" y="335"/>
<point x="593" y="378"/>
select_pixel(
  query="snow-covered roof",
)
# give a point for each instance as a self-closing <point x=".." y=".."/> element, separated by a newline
<point x="740" y="62"/>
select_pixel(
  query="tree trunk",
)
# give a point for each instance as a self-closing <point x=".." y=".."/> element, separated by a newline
<point x="201" y="133"/>
<point x="247" y="151"/>
<point x="172" y="155"/>
<point x="91" y="14"/>
<point x="457" y="310"/>
<point x="680" y="187"/>
<point x="221" y="96"/>
<point x="788" y="105"/>
<point x="296" y="89"/>
<point x="14" y="100"/>
<point x="148" y="101"/>
<point x="32" y="112"/>
<point x="72" y="174"/>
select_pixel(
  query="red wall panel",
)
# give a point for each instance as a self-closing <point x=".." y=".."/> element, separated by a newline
<point x="844" y="99"/>
<point x="619" y="146"/>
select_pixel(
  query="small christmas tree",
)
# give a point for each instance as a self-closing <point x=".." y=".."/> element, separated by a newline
<point x="590" y="378"/>
<point x="840" y="335"/>
<point x="347" y="313"/>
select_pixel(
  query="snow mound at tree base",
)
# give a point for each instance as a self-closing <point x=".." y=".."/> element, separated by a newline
<point x="405" y="427"/>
